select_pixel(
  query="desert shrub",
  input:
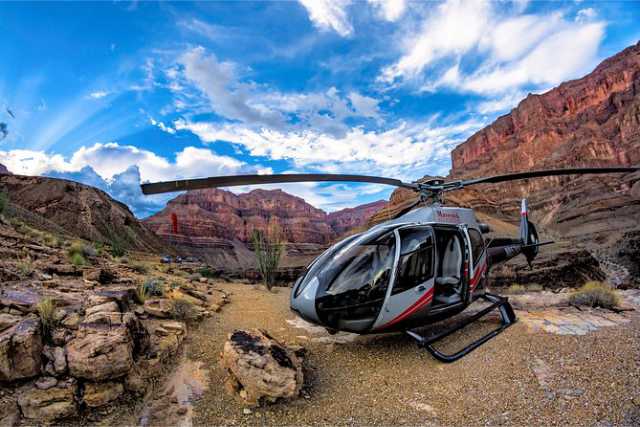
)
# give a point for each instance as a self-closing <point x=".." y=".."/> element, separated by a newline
<point x="175" y="285"/>
<point x="207" y="272"/>
<point x="25" y="266"/>
<point x="595" y="294"/>
<point x="80" y="248"/>
<point x="46" y="310"/>
<point x="153" y="287"/>
<point x="78" y="260"/>
<point x="116" y="248"/>
<point x="182" y="309"/>
<point x="4" y="201"/>
<point x="516" y="289"/>
<point x="535" y="287"/>
<point x="141" y="293"/>
<point x="139" y="267"/>
<point x="268" y="247"/>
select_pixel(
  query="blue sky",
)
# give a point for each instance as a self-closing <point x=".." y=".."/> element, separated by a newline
<point x="112" y="93"/>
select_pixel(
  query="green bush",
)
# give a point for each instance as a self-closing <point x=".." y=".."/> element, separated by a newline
<point x="153" y="287"/>
<point x="25" y="267"/>
<point x="268" y="247"/>
<point x="207" y="272"/>
<point x="78" y="260"/>
<point x="595" y="294"/>
<point x="182" y="309"/>
<point x="46" y="310"/>
<point x="80" y="248"/>
<point x="139" y="267"/>
<point x="141" y="293"/>
<point x="117" y="248"/>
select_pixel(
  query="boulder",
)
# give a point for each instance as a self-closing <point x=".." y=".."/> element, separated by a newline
<point x="111" y="306"/>
<point x="51" y="404"/>
<point x="260" y="368"/>
<point x="57" y="357"/>
<point x="100" y="275"/>
<point x="8" y="320"/>
<point x="21" y="350"/>
<point x="100" y="394"/>
<point x="158" y="307"/>
<point x="99" y="355"/>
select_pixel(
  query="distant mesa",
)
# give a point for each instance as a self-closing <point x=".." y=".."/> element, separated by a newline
<point x="4" y="170"/>
<point x="217" y="225"/>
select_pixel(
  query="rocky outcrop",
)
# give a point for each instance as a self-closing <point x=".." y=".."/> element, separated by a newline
<point x="348" y="219"/>
<point x="260" y="368"/>
<point x="592" y="121"/>
<point x="4" y="170"/>
<point x="100" y="394"/>
<point x="49" y="400"/>
<point x="217" y="225"/>
<point x="21" y="350"/>
<point x="79" y="210"/>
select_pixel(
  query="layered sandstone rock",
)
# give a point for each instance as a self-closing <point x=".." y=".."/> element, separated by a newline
<point x="21" y="350"/>
<point x="76" y="209"/>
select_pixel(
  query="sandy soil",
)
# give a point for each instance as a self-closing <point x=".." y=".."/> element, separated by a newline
<point x="525" y="376"/>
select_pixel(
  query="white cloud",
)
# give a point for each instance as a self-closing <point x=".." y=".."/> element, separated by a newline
<point x="111" y="159"/>
<point x="473" y="46"/>
<point x="219" y="84"/>
<point x="504" y="103"/>
<point x="389" y="10"/>
<point x="452" y="29"/>
<point x="329" y="15"/>
<point x="578" y="47"/>
<point x="403" y="150"/>
<point x="586" y="15"/>
<point x="364" y="105"/>
<point x="98" y="94"/>
<point x="162" y="126"/>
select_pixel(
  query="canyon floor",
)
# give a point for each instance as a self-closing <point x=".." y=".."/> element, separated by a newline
<point x="556" y="366"/>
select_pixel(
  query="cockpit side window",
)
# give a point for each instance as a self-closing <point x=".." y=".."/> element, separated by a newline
<point x="416" y="259"/>
<point x="477" y="244"/>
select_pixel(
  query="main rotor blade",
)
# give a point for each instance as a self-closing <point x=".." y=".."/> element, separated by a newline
<point x="235" y="180"/>
<point x="537" y="174"/>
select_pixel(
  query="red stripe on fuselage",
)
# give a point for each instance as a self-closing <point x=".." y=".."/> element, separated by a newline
<point x="421" y="302"/>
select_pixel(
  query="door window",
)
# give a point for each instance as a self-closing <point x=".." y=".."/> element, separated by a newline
<point x="477" y="244"/>
<point x="416" y="259"/>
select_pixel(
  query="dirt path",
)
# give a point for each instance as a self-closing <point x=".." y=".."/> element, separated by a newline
<point x="524" y="376"/>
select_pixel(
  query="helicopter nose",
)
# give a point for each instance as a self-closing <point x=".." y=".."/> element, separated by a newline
<point x="304" y="302"/>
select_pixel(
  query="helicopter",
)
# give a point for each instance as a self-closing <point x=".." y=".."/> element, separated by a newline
<point x="427" y="264"/>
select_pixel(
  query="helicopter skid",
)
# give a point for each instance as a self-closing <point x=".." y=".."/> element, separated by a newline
<point x="507" y="315"/>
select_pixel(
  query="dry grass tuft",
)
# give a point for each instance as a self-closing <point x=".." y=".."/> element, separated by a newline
<point x="595" y="294"/>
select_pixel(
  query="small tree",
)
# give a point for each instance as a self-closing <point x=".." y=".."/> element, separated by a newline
<point x="268" y="248"/>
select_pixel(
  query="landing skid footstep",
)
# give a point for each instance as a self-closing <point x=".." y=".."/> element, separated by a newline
<point x="508" y="318"/>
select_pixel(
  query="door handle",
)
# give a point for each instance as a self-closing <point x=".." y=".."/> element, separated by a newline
<point x="421" y="288"/>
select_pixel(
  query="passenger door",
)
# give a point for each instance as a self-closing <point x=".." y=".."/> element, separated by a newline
<point x="412" y="287"/>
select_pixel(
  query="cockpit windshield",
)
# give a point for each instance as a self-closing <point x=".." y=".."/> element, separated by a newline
<point x="354" y="282"/>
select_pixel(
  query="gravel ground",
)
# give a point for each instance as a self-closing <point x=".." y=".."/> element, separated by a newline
<point x="519" y="378"/>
